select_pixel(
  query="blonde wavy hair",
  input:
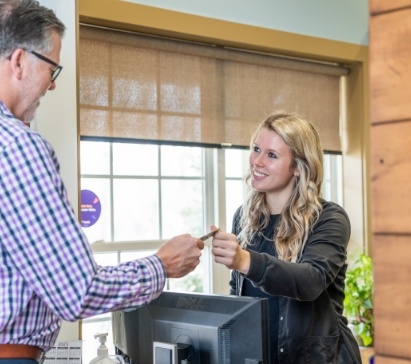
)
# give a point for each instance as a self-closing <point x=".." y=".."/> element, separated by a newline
<point x="304" y="206"/>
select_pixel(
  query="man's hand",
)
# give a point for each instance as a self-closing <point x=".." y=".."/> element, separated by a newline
<point x="180" y="255"/>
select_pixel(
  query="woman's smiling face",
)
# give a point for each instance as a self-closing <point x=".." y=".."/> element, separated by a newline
<point x="270" y="165"/>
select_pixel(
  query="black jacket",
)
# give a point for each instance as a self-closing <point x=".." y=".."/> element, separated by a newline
<point x="312" y="328"/>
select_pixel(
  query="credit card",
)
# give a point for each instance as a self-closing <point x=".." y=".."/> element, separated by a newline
<point x="209" y="235"/>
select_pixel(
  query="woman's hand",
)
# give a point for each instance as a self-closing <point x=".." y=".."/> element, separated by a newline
<point x="227" y="251"/>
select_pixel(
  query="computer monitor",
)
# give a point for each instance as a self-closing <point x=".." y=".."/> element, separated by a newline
<point x="194" y="328"/>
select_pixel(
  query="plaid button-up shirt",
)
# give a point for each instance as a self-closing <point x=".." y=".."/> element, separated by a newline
<point x="47" y="270"/>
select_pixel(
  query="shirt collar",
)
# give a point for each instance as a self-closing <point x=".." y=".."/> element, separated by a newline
<point x="5" y="111"/>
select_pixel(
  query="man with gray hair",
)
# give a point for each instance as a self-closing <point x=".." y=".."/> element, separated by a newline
<point x="47" y="270"/>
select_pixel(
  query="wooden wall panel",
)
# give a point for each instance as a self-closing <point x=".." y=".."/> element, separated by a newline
<point x="392" y="295"/>
<point x="390" y="71"/>
<point x="383" y="360"/>
<point x="379" y="6"/>
<point x="390" y="111"/>
<point x="391" y="177"/>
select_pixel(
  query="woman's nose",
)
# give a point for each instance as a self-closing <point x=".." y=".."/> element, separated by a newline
<point x="258" y="160"/>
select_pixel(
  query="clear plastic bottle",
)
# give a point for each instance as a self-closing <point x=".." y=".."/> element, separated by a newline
<point x="102" y="353"/>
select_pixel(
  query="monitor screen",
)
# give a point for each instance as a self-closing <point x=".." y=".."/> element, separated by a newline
<point x="194" y="328"/>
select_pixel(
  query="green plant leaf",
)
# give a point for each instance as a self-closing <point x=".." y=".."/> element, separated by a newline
<point x="358" y="301"/>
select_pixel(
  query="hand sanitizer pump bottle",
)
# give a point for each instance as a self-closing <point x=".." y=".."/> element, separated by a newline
<point x="102" y="353"/>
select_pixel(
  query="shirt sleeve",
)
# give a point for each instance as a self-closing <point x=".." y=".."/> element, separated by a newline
<point x="45" y="241"/>
<point x="321" y="262"/>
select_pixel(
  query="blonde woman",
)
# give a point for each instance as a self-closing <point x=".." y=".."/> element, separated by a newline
<point x="289" y="245"/>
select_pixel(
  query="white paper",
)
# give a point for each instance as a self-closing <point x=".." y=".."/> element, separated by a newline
<point x="65" y="352"/>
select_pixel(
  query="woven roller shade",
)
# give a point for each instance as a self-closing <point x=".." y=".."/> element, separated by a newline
<point x="139" y="87"/>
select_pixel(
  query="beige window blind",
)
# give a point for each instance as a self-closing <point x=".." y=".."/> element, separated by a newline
<point x="139" y="87"/>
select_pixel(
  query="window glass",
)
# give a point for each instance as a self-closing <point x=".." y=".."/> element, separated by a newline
<point x="133" y="255"/>
<point x="235" y="191"/>
<point x="136" y="209"/>
<point x="182" y="207"/>
<point x="106" y="258"/>
<point x="135" y="159"/>
<point x="235" y="165"/>
<point x="94" y="157"/>
<point x="181" y="161"/>
<point x="196" y="281"/>
<point x="236" y="168"/>
<point x="332" y="188"/>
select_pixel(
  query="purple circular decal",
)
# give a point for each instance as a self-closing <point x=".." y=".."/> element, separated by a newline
<point x="90" y="208"/>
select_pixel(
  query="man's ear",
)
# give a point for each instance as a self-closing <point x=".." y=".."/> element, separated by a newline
<point x="16" y="61"/>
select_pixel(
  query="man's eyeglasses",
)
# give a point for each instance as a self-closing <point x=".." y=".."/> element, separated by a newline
<point x="55" y="72"/>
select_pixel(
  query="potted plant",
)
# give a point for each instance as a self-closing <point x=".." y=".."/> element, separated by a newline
<point x="358" y="302"/>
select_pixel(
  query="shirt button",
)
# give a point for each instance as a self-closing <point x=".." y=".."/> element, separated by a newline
<point x="281" y="318"/>
<point x="281" y="350"/>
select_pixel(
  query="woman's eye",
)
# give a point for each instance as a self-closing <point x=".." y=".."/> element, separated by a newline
<point x="256" y="149"/>
<point x="272" y="155"/>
